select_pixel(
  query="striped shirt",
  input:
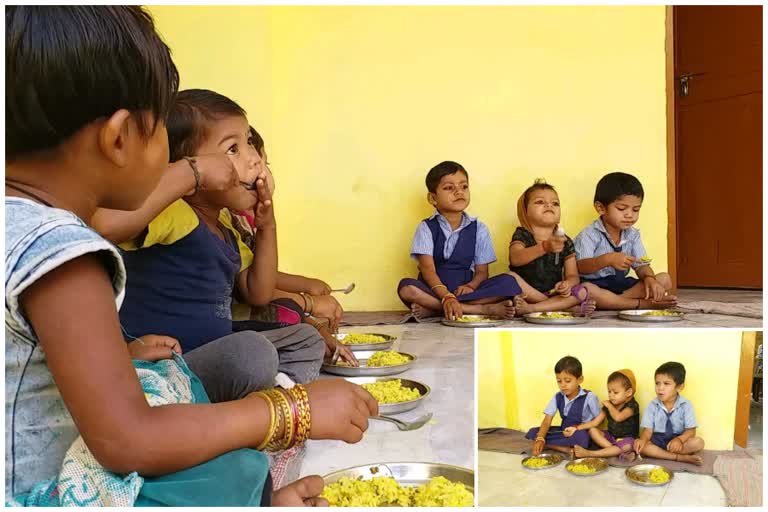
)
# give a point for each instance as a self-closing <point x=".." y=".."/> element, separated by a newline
<point x="682" y="416"/>
<point x="591" y="405"/>
<point x="423" y="243"/>
<point x="594" y="241"/>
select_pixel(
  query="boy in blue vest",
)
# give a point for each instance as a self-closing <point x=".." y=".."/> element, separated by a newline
<point x="453" y="250"/>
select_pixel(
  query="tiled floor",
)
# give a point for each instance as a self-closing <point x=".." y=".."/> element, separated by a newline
<point x="446" y="364"/>
<point x="502" y="481"/>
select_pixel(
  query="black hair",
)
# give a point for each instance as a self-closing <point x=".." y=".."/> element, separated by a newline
<point x="67" y="66"/>
<point x="569" y="364"/>
<point x="616" y="184"/>
<point x="257" y="140"/>
<point x="187" y="122"/>
<point x="539" y="184"/>
<point x="436" y="173"/>
<point x="674" y="370"/>
<point x="620" y="377"/>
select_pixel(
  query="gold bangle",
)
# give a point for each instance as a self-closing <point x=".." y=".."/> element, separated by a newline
<point x="438" y="286"/>
<point x="539" y="438"/>
<point x="446" y="297"/>
<point x="281" y="404"/>
<point x="308" y="299"/>
<point x="272" y="422"/>
<point x="301" y="397"/>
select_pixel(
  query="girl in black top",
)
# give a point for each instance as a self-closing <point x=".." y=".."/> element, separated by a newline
<point x="543" y="259"/>
<point x="623" y="414"/>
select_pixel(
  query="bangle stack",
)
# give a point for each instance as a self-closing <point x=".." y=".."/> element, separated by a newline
<point x="288" y="408"/>
<point x="309" y="303"/>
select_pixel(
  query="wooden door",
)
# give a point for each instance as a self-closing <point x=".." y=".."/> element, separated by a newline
<point x="718" y="145"/>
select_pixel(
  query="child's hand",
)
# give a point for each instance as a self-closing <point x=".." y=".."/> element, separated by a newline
<point x="675" y="445"/>
<point x="452" y="309"/>
<point x="153" y="347"/>
<point x="340" y="410"/>
<point x="328" y="307"/>
<point x="263" y="212"/>
<point x="331" y="343"/>
<point x="653" y="289"/>
<point x="569" y="431"/>
<point x="554" y="244"/>
<point x="621" y="261"/>
<point x="606" y="403"/>
<point x="317" y="287"/>
<point x="301" y="493"/>
<point x="639" y="445"/>
<point x="563" y="288"/>
<point x="463" y="289"/>
<point x="538" y="446"/>
<point x="217" y="172"/>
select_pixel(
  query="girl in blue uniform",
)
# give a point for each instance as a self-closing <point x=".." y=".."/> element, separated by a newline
<point x="453" y="250"/>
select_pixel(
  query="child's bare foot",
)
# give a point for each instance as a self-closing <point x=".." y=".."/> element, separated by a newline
<point x="421" y="312"/>
<point x="691" y="459"/>
<point x="586" y="309"/>
<point x="505" y="310"/>
<point x="521" y="307"/>
<point x="668" y="301"/>
<point x="580" y="452"/>
<point x="628" y="456"/>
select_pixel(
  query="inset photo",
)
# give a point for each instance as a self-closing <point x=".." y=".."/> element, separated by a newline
<point x="619" y="418"/>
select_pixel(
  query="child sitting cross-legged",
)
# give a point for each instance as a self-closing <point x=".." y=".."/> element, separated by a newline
<point x="454" y="250"/>
<point x="669" y="424"/>
<point x="623" y="414"/>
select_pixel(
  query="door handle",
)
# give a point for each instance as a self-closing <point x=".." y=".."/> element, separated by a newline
<point x="683" y="82"/>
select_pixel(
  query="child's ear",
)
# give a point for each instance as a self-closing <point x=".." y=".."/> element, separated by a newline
<point x="113" y="137"/>
<point x="580" y="380"/>
<point x="600" y="208"/>
<point x="431" y="199"/>
<point x="681" y="387"/>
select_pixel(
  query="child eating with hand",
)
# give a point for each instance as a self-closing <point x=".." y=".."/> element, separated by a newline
<point x="623" y="414"/>
<point x="575" y="406"/>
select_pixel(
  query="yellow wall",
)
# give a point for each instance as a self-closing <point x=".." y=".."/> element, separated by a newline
<point x="357" y="103"/>
<point x="711" y="359"/>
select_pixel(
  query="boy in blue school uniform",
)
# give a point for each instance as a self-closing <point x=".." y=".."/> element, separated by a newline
<point x="669" y="424"/>
<point x="609" y="247"/>
<point x="454" y="250"/>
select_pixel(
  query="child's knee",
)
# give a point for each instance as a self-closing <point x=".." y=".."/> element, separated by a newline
<point x="695" y="444"/>
<point x="408" y="293"/>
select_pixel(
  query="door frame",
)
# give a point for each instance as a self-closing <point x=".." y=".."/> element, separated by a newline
<point x="744" y="388"/>
<point x="669" y="49"/>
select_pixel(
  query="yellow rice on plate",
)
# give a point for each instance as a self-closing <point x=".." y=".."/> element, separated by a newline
<point x="661" y="312"/>
<point x="386" y="358"/>
<point x="658" y="476"/>
<point x="391" y="391"/>
<point x="583" y="469"/>
<point x="357" y="338"/>
<point x="536" y="463"/>
<point x="556" y="315"/>
<point x="386" y="491"/>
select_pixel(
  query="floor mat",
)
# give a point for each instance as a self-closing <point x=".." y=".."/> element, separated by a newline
<point x="741" y="478"/>
<point x="745" y="309"/>
<point x="375" y="317"/>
